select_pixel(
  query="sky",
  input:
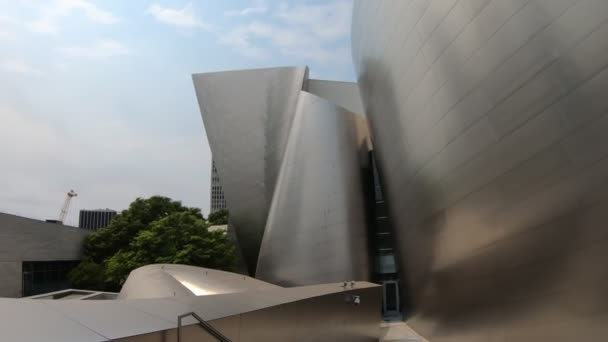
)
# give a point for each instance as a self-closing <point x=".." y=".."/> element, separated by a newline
<point x="97" y="96"/>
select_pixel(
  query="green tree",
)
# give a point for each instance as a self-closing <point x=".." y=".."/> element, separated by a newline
<point x="218" y="217"/>
<point x="154" y="230"/>
<point x="88" y="275"/>
<point x="106" y="242"/>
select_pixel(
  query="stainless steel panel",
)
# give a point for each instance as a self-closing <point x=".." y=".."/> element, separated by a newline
<point x="328" y="310"/>
<point x="32" y="320"/>
<point x="247" y="116"/>
<point x="108" y="318"/>
<point x="299" y="204"/>
<point x="489" y="120"/>
<point x="342" y="94"/>
<point x="167" y="280"/>
<point x="330" y="317"/>
<point x="327" y="318"/>
<point x="316" y="229"/>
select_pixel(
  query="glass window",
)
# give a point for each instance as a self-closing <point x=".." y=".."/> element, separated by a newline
<point x="46" y="276"/>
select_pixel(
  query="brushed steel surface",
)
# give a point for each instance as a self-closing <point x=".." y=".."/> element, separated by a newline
<point x="342" y="94"/>
<point x="247" y="116"/>
<point x="325" y="310"/>
<point x="489" y="122"/>
<point x="316" y="229"/>
<point x="291" y="167"/>
<point x="169" y="280"/>
<point x="327" y="317"/>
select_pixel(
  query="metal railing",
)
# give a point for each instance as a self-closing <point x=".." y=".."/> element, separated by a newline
<point x="203" y="324"/>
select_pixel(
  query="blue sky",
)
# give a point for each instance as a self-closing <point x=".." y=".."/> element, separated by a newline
<point x="97" y="95"/>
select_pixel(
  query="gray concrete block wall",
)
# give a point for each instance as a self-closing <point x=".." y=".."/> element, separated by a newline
<point x="23" y="239"/>
<point x="10" y="279"/>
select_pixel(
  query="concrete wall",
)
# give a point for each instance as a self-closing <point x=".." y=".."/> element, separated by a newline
<point x="23" y="239"/>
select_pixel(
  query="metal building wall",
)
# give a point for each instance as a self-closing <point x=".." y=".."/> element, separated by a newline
<point x="316" y="229"/>
<point x="342" y="94"/>
<point x="489" y="124"/>
<point x="291" y="168"/>
<point x="247" y="116"/>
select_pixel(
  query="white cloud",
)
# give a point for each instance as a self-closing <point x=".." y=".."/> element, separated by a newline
<point x="259" y="7"/>
<point x="5" y="19"/>
<point x="240" y="39"/>
<point x="105" y="161"/>
<point x="5" y="23"/>
<point x="17" y="67"/>
<point x="327" y="21"/>
<point x="53" y="14"/>
<point x="181" y="18"/>
<point x="43" y="26"/>
<point x="6" y="35"/>
<point x="100" y="49"/>
<point x="310" y="32"/>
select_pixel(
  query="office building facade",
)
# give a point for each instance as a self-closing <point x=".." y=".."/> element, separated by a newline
<point x="95" y="219"/>
<point x="217" y="200"/>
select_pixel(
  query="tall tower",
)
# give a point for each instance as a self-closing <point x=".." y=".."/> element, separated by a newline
<point x="217" y="194"/>
<point x="95" y="219"/>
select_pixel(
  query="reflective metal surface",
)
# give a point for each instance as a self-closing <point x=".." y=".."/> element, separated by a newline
<point x="320" y="317"/>
<point x="247" y="310"/>
<point x="168" y="280"/>
<point x="247" y="116"/>
<point x="342" y="94"/>
<point x="490" y="129"/>
<point x="291" y="167"/>
<point x="316" y="228"/>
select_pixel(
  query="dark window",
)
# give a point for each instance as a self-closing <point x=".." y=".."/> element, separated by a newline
<point x="390" y="297"/>
<point x="46" y="276"/>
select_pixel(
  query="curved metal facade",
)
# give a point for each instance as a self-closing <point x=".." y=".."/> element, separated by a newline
<point x="170" y="280"/>
<point x="291" y="167"/>
<point x="247" y="116"/>
<point x="490" y="126"/>
<point x="316" y="229"/>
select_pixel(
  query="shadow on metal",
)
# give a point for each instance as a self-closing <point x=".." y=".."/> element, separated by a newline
<point x="489" y="123"/>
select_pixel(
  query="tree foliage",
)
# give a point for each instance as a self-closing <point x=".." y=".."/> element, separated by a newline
<point x="218" y="217"/>
<point x="153" y="230"/>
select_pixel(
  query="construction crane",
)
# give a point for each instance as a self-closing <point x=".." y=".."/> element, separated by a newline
<point x="66" y="206"/>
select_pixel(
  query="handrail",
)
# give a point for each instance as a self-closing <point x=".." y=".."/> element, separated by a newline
<point x="203" y="324"/>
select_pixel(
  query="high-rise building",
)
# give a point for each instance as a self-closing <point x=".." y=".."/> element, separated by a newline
<point x="217" y="201"/>
<point x="95" y="219"/>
